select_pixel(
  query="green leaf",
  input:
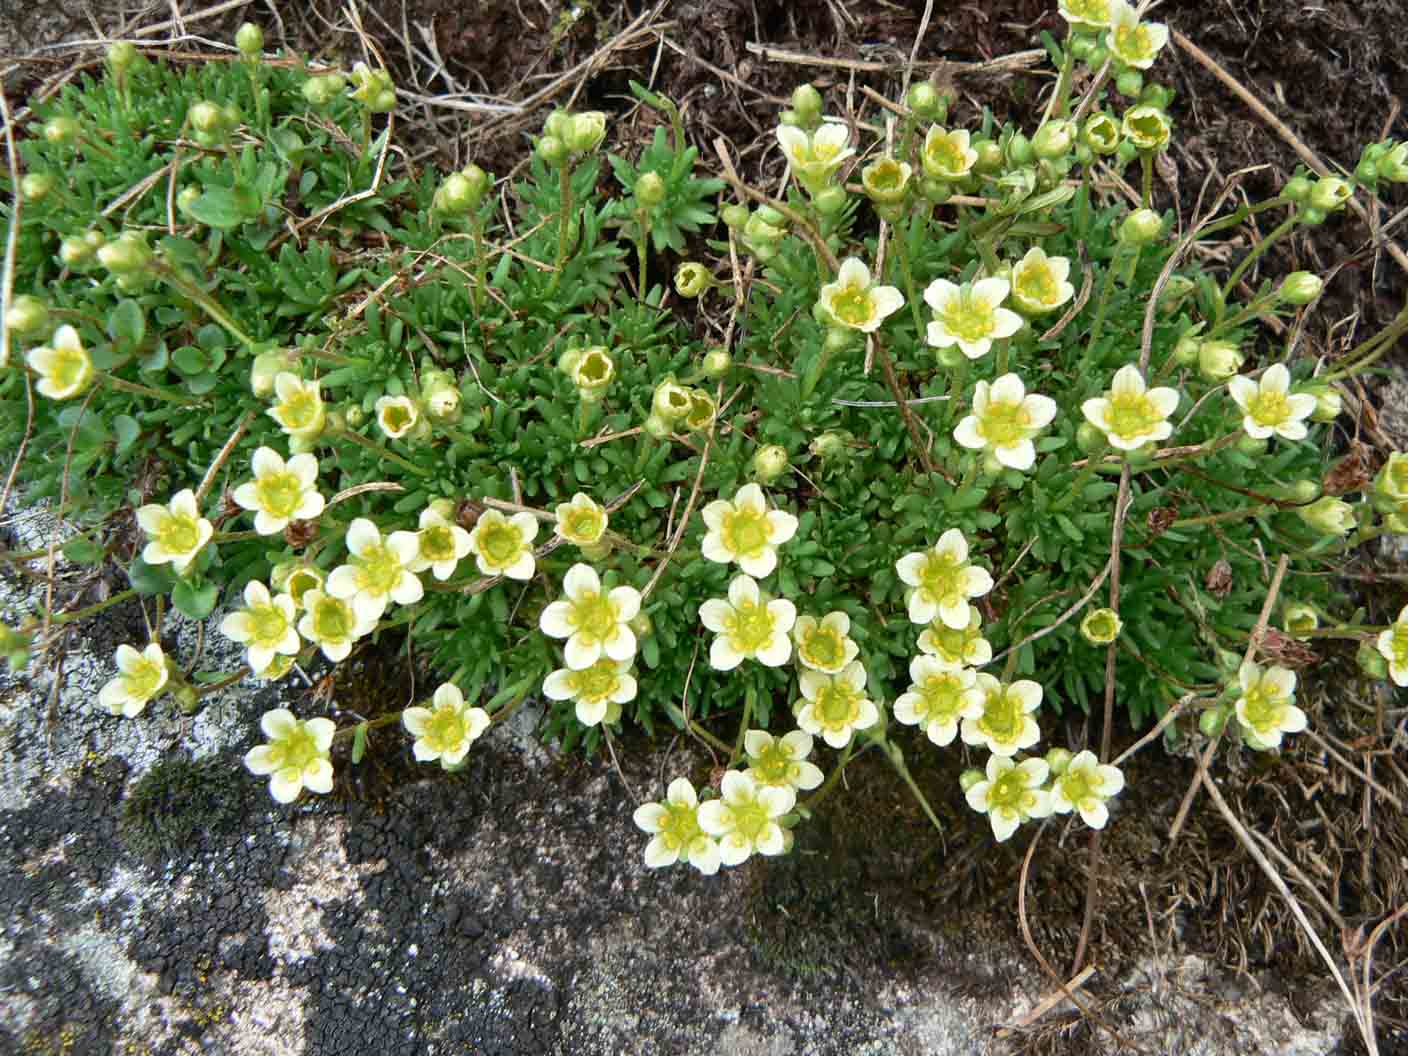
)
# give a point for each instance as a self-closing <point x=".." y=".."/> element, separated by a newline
<point x="359" y="743"/>
<point x="83" y="551"/>
<point x="219" y="207"/>
<point x="150" y="579"/>
<point x="195" y="602"/>
<point x="127" y="430"/>
<point x="127" y="322"/>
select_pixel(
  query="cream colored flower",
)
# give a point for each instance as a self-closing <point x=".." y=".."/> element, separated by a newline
<point x="332" y="623"/>
<point x="296" y="578"/>
<point x="745" y="818"/>
<point x="674" y="827"/>
<point x="746" y="531"/>
<point x="397" y="415"/>
<point x="1130" y="415"/>
<point x="265" y="626"/>
<point x="1004" y="420"/>
<point x="581" y="522"/>
<point x="939" y="698"/>
<point x="1147" y="127"/>
<point x="1266" y="709"/>
<point x="747" y="627"/>
<point x="378" y="571"/>
<point x="1092" y="13"/>
<point x="445" y="730"/>
<point x="781" y="762"/>
<point x="596" y="623"/>
<point x="1269" y="407"/>
<point x="836" y="705"/>
<point x="64" y="368"/>
<point x="957" y="646"/>
<point x="1393" y="647"/>
<point x="948" y="155"/>
<point x="598" y="691"/>
<point x="280" y="491"/>
<point x="1084" y="785"/>
<point x="1011" y="794"/>
<point x="1006" y="724"/>
<point x="1039" y="282"/>
<point x="941" y="581"/>
<point x="141" y="678"/>
<point x="503" y="546"/>
<point x="296" y="756"/>
<point x="815" y="157"/>
<point x="824" y="645"/>
<point x="592" y="371"/>
<point x="1134" y="43"/>
<point x="970" y="316"/>
<point x="176" y="531"/>
<point x="440" y="543"/>
<point x="1329" y="516"/>
<point x="855" y="302"/>
<point x="1101" y="626"/>
<point x="300" y="411"/>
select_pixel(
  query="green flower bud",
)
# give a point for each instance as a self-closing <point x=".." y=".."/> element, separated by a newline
<point x="1367" y="172"/>
<point x="806" y="103"/>
<point x="641" y="624"/>
<point x="320" y="91"/>
<point x="702" y="410"/>
<point x="1330" y="194"/>
<point x="1141" y="227"/>
<point x="1297" y="189"/>
<point x="1098" y="56"/>
<point x="35" y="186"/>
<point x="128" y="254"/>
<point x="1101" y="134"/>
<point x="1129" y="84"/>
<point x="553" y="151"/>
<point x="769" y="463"/>
<point x="187" y="198"/>
<point x="989" y="157"/>
<point x="456" y="195"/>
<point x="249" y="38"/>
<point x="28" y="316"/>
<point x="335" y="421"/>
<point x="186" y="698"/>
<point x="1302" y="491"/>
<point x="1251" y="446"/>
<point x="1083" y="154"/>
<point x="374" y="89"/>
<point x="1329" y="516"/>
<point x="759" y="231"/>
<point x="830" y="446"/>
<point x="735" y="216"/>
<point x="1328" y="403"/>
<point x="266" y="367"/>
<point x="1019" y="150"/>
<point x="205" y="116"/>
<point x="1101" y="626"/>
<point x="831" y="201"/>
<point x="951" y="357"/>
<point x="1300" y="287"/>
<point x="717" y="363"/>
<point x="969" y="778"/>
<point x="121" y="55"/>
<point x="1213" y="720"/>
<point x="692" y="279"/>
<point x="354" y="416"/>
<point x="1188" y="351"/>
<point x="1090" y="439"/>
<point x="1081" y="47"/>
<point x="1393" y="165"/>
<point x="925" y="102"/>
<point x="656" y="428"/>
<point x="935" y="190"/>
<point x="587" y="132"/>
<point x="1176" y="290"/>
<point x="1054" y="140"/>
<point x="1059" y="760"/>
<point x="61" y="131"/>
<point x="1298" y="618"/>
<point x="442" y="398"/>
<point x="1219" y="360"/>
<point x="650" y="189"/>
<point x="1312" y="217"/>
<point x="837" y="340"/>
<point x="75" y="251"/>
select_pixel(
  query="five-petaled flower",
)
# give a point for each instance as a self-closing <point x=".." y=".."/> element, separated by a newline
<point x="332" y="623"/>
<point x="595" y="622"/>
<point x="746" y="531"/>
<point x="748" y="626"/>
<point x="446" y="729"/>
<point x="824" y="645"/>
<point x="1092" y="13"/>
<point x="781" y="762"/>
<point x="177" y="531"/>
<point x="1266" y="709"/>
<point x="299" y="411"/>
<point x="1004" y="420"/>
<point x="948" y="155"/>
<point x="970" y="316"/>
<point x="296" y="756"/>
<point x="939" y="698"/>
<point x="1040" y="284"/>
<point x="836" y="705"/>
<point x="745" y="819"/>
<point x="378" y="571"/>
<point x="941" y="581"/>
<point x="582" y="521"/>
<point x="957" y="646"/>
<point x="63" y="367"/>
<point x="1132" y="415"/>
<point x="1393" y="647"/>
<point x="1011" y="793"/>
<point x="1005" y="724"/>
<point x="1136" y="44"/>
<point x="503" y="546"/>
<point x="1269" y="407"/>
<point x="597" y="691"/>
<point x="815" y="157"/>
<point x="397" y="415"/>
<point x="675" y="832"/>
<point x="855" y="302"/>
<point x="141" y="677"/>
<point x="440" y="543"/>
<point x="280" y="491"/>
<point x="1084" y="785"/>
<point x="265" y="626"/>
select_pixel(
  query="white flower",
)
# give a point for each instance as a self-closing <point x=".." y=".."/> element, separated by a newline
<point x="816" y="156"/>
<point x="781" y="762"/>
<point x="1131" y="416"/>
<point x="745" y="819"/>
<point x="746" y="531"/>
<point x="296" y="756"/>
<point x="948" y="155"/>
<point x="855" y="302"/>
<point x="1092" y="13"/>
<point x="957" y="646"/>
<point x="280" y="491"/>
<point x="503" y="546"/>
<point x="824" y="645"/>
<point x="1085" y="785"/>
<point x="596" y="623"/>
<point x="1266" y="709"/>
<point x="970" y="315"/>
<point x="1004" y="420"/>
<point x="1329" y="516"/>
<point x="942" y="581"/>
<point x="1006" y="724"/>
<point x="396" y="415"/>
<point x="598" y="691"/>
<point x="64" y="368"/>
<point x="1039" y="282"/>
<point x="447" y="729"/>
<point x="440" y="544"/>
<point x="300" y="411"/>
<point x="836" y="705"/>
<point x="674" y="826"/>
<point x="1011" y="794"/>
<point x="1393" y="647"/>
<point x="939" y="698"/>
<point x="1269" y="407"/>
<point x="265" y="626"/>
<point x="747" y="626"/>
<point x="142" y="676"/>
<point x="378" y="572"/>
<point x="581" y="521"/>
<point x="1134" y="43"/>
<point x="332" y="623"/>
<point x="177" y="531"/>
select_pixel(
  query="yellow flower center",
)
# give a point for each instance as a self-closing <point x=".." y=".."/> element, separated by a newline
<point x="1010" y="795"/>
<point x="750" y="627"/>
<point x="941" y="697"/>
<point x="378" y="569"/>
<point x="593" y="615"/>
<point x="179" y="533"/>
<point x="594" y="371"/>
<point x="300" y="411"/>
<point x="68" y="368"/>
<point x="333" y="620"/>
<point x="775" y="766"/>
<point x="1265" y="707"/>
<point x="1147" y="131"/>
<point x="1269" y="408"/>
<point x="968" y="316"/>
<point x="500" y="541"/>
<point x="267" y="625"/>
<point x="396" y="418"/>
<point x="1036" y="282"/>
<point x="1132" y="415"/>
<point x="583" y="525"/>
<point x="296" y="750"/>
<point x="838" y="704"/>
<point x="1091" y="11"/>
<point x="941" y="577"/>
<point x="1133" y="43"/>
<point x="145" y="678"/>
<point x="679" y="827"/>
<point x="885" y="177"/>
<point x="745" y="532"/>
<point x="437" y="543"/>
<point x="824" y="648"/>
<point x="446" y="729"/>
<point x="851" y="305"/>
<point x="1003" y="717"/>
<point x="824" y="152"/>
<point x="595" y="683"/>
<point x="946" y="155"/>
<point x="1005" y="423"/>
<point x="279" y="493"/>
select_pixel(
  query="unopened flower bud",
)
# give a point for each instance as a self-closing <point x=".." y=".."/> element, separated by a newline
<point x="1219" y="360"/>
<point x="1328" y="403"/>
<point x="354" y="416"/>
<point x="717" y="363"/>
<point x="187" y="198"/>
<point x="1300" y="287"/>
<point x="769" y="463"/>
<point x="552" y="150"/>
<point x="61" y="131"/>
<point x="1059" y="760"/>
<point x="35" y="186"/>
<point x="1329" y="516"/>
<point x="656" y="428"/>
<point x="128" y="254"/>
<point x="1101" y="134"/>
<point x="1188" y="350"/>
<point x="266" y="367"/>
<point x="641" y="624"/>
<point x="926" y="102"/>
<point x="374" y="89"/>
<point x="989" y="157"/>
<point x="1176" y="290"/>
<point x="829" y="446"/>
<point x="1212" y="721"/>
<point x="442" y="397"/>
<point x="1090" y="439"/>
<point x="121" y="55"/>
<point x="1330" y="194"/>
<point x="1054" y="140"/>
<point x="1302" y="491"/>
<point x="75" y="251"/>
<point x="951" y="357"/>
<point x="205" y="116"/>
<point x="1019" y="150"/>
<point x="1141" y="227"/>
<point x="1251" y="446"/>
<point x="671" y="401"/>
<point x="1393" y="165"/>
<point x="806" y="103"/>
<point x="692" y="279"/>
<point x="455" y="196"/>
<point x="1298" y="618"/>
<point x="936" y="190"/>
<point x="1129" y="84"/>
<point x="735" y="216"/>
<point x="650" y="189"/>
<point x="1371" y="661"/>
<point x="1312" y="216"/>
<point x="1297" y="189"/>
<point x="249" y="38"/>
<point x="586" y="132"/>
<point x="28" y="316"/>
<point x="831" y="201"/>
<point x="969" y="778"/>
<point x="1101" y="626"/>
<point x="320" y="91"/>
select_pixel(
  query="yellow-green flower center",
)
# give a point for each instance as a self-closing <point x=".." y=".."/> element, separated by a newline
<point x="838" y="704"/>
<point x="267" y="624"/>
<point x="1396" y="476"/>
<point x="1398" y="644"/>
<point x="437" y="543"/>
<point x="583" y="525"/>
<point x="300" y="411"/>
<point x="446" y="729"/>
<point x="1036" y="282"/>
<point x="1133" y="43"/>
<point x="378" y="569"/>
<point x="68" y="367"/>
<point x="333" y="620"/>
<point x="301" y="582"/>
<point x="823" y="151"/>
<point x="1010" y="794"/>
<point x="145" y="678"/>
<point x="851" y="305"/>
<point x="593" y="615"/>
<point x="1079" y="785"/>
<point x="1005" y="423"/>
<point x="500" y="541"/>
<point x="594" y="371"/>
<point x="595" y="683"/>
<point x="1089" y="11"/>
<point x="279" y="493"/>
<point x="968" y="316"/>
<point x="885" y="177"/>
<point x="1132" y="415"/>
<point x="941" y="577"/>
<point x="775" y="766"/>
<point x="1265" y="707"/>
<point x="745" y="531"/>
<point x="1147" y="131"/>
<point x="940" y="697"/>
<point x="1269" y="407"/>
<point x="179" y="533"/>
<point x="679" y="827"/>
<point x="295" y="750"/>
<point x="750" y="627"/>
<point x="749" y="819"/>
<point x="1003" y="717"/>
<point x="946" y="155"/>
<point x="953" y="646"/>
<point x="396" y="418"/>
<point x="824" y="648"/>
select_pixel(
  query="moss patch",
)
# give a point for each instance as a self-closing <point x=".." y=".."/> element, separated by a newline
<point x="181" y="806"/>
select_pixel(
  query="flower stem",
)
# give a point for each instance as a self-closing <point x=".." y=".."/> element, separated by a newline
<point x="906" y="412"/>
<point x="896" y="757"/>
<point x="1278" y="232"/>
<point x="1146" y="165"/>
<point x="377" y="449"/>
<point x="147" y="390"/>
<point x="564" y="221"/>
<point x="78" y="614"/>
<point x="1226" y="515"/>
<point x="208" y="304"/>
<point x="748" y="700"/>
<point x="902" y="251"/>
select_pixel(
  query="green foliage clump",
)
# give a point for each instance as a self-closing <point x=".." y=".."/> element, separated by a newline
<point x="182" y="804"/>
